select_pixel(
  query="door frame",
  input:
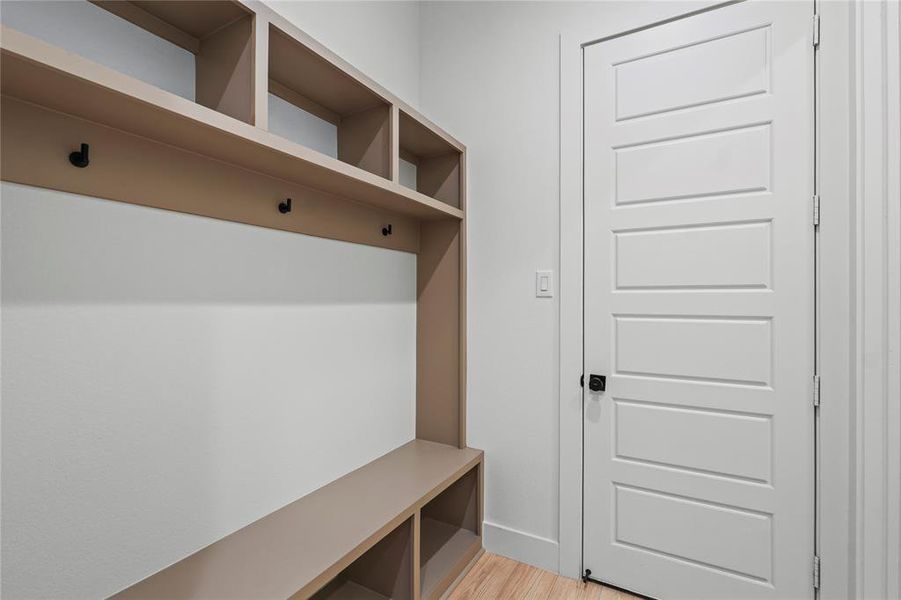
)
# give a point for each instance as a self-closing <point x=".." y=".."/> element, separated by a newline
<point x="837" y="527"/>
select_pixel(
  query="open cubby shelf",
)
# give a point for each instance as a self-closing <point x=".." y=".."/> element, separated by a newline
<point x="443" y="547"/>
<point x="383" y="571"/>
<point x="450" y="524"/>
<point x="220" y="35"/>
<point x="243" y="53"/>
<point x="361" y="118"/>
<point x="437" y="162"/>
<point x="185" y="23"/>
<point x="43" y="75"/>
<point x="389" y="178"/>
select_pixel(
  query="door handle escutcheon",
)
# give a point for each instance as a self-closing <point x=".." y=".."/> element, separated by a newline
<point x="597" y="383"/>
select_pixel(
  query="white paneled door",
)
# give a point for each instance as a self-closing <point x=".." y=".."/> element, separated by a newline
<point x="699" y="305"/>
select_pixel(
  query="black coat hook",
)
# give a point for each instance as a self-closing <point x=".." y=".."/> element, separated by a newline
<point x="386" y="230"/>
<point x="80" y="159"/>
<point x="284" y="207"/>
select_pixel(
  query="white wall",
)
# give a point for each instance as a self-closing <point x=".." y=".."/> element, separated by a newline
<point x="490" y="75"/>
<point x="168" y="379"/>
<point x="379" y="38"/>
<point x="488" y="72"/>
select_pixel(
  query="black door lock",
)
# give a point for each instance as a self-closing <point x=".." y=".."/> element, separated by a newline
<point x="597" y="383"/>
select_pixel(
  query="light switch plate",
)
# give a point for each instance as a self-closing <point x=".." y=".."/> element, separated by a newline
<point x="544" y="284"/>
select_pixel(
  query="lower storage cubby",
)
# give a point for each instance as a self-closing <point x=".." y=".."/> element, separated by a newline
<point x="450" y="534"/>
<point x="383" y="571"/>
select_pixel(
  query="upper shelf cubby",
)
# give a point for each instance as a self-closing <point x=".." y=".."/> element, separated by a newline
<point x="429" y="163"/>
<point x="227" y="80"/>
<point x="316" y="104"/>
<point x="185" y="23"/>
<point x="219" y="33"/>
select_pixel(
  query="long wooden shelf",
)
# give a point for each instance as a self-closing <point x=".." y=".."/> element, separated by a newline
<point x="43" y="74"/>
<point x="299" y="548"/>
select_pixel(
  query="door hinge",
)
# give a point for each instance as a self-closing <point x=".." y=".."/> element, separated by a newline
<point x="582" y="380"/>
<point x="816" y="31"/>
<point x="816" y="572"/>
<point x="816" y="390"/>
<point x="816" y="210"/>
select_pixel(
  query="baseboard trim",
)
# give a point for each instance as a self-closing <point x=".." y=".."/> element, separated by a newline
<point x="531" y="549"/>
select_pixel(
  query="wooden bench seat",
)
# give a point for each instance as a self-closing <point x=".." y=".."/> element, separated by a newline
<point x="297" y="549"/>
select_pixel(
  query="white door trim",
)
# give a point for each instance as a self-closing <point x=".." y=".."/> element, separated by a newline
<point x="570" y="289"/>
<point x="877" y="299"/>
<point x="835" y="154"/>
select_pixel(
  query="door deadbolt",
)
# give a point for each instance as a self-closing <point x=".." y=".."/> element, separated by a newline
<point x="597" y="383"/>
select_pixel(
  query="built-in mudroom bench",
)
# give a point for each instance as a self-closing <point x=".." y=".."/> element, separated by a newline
<point x="404" y="526"/>
<point x="408" y="524"/>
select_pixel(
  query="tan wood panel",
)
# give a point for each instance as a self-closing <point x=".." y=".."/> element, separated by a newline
<point x="261" y="72"/>
<point x="439" y="170"/>
<point x="421" y="140"/>
<point x="417" y="553"/>
<point x="364" y="140"/>
<point x="224" y="70"/>
<point x="36" y="144"/>
<point x="43" y="74"/>
<point x="439" y="177"/>
<point x="395" y="143"/>
<point x="438" y="384"/>
<point x="135" y="14"/>
<point x="185" y="23"/>
<point x="458" y="505"/>
<point x="387" y="568"/>
<point x="299" y="548"/>
<point x="344" y="589"/>
<point x="462" y="325"/>
<point x="198" y="18"/>
<point x="302" y="102"/>
<point x="445" y="550"/>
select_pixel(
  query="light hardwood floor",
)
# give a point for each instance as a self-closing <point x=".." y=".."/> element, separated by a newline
<point x="494" y="577"/>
